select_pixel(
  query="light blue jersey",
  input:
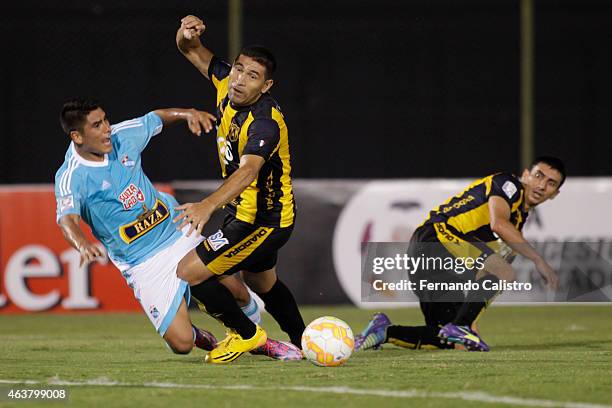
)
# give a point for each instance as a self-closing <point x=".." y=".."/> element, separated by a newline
<point x="116" y="199"/>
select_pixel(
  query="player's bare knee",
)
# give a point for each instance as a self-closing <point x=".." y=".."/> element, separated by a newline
<point x="182" y="348"/>
<point x="179" y="337"/>
<point x="180" y="345"/>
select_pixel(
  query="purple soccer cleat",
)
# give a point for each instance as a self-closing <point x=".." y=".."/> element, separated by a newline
<point x="204" y="340"/>
<point x="374" y="335"/>
<point x="463" y="335"/>
<point x="279" y="350"/>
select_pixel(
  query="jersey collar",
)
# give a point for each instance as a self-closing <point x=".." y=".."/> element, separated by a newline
<point x="86" y="162"/>
<point x="245" y="107"/>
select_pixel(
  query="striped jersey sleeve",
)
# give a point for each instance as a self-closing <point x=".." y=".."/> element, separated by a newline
<point x="506" y="186"/>
<point x="68" y="189"/>
<point x="138" y="131"/>
<point x="218" y="70"/>
<point x="263" y="138"/>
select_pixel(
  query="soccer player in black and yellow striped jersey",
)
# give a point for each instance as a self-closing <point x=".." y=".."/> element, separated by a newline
<point x="257" y="195"/>
<point x="485" y="222"/>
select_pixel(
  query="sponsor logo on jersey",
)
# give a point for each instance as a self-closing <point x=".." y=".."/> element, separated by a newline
<point x="459" y="203"/>
<point x="131" y="196"/>
<point x="256" y="237"/>
<point x="145" y="222"/>
<point x="105" y="185"/>
<point x="270" y="193"/>
<point x="442" y="231"/>
<point x="127" y="162"/>
<point x="217" y="241"/>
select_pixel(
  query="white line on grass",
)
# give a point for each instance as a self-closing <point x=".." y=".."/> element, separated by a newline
<point x="461" y="395"/>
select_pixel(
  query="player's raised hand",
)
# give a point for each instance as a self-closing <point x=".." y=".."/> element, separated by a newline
<point x="199" y="120"/>
<point x="196" y="215"/>
<point x="548" y="273"/>
<point x="89" y="252"/>
<point x="191" y="28"/>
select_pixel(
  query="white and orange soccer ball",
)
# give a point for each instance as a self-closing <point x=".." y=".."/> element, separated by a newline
<point x="327" y="341"/>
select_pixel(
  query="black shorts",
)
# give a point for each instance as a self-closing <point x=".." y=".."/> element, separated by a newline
<point x="240" y="246"/>
<point x="426" y="244"/>
<point x="438" y="306"/>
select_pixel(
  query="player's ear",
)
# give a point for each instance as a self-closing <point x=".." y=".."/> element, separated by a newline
<point x="76" y="137"/>
<point x="525" y="174"/>
<point x="267" y="85"/>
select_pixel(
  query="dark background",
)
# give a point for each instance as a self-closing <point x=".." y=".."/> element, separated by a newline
<point x="370" y="89"/>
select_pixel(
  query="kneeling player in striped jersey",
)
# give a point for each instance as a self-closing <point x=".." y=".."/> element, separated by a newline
<point x="484" y="221"/>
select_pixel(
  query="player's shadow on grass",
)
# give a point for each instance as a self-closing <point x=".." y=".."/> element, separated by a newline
<point x="555" y="345"/>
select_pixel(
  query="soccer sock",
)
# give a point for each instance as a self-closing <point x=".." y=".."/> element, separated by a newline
<point x="416" y="337"/>
<point x="197" y="336"/>
<point x="476" y="302"/>
<point x="280" y="303"/>
<point x="252" y="311"/>
<point x="220" y="304"/>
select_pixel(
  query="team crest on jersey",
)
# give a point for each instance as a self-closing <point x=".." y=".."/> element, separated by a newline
<point x="154" y="312"/>
<point x="234" y="132"/>
<point x="509" y="188"/>
<point x="217" y="240"/>
<point x="127" y="162"/>
<point x="145" y="222"/>
<point x="131" y="196"/>
<point x="65" y="203"/>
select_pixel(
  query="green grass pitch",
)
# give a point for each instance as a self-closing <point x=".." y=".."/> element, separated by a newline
<point x="541" y="356"/>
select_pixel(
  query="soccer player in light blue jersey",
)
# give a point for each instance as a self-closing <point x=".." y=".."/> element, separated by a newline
<point x="101" y="182"/>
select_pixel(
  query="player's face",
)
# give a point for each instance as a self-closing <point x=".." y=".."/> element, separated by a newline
<point x="247" y="81"/>
<point x="541" y="183"/>
<point x="94" y="139"/>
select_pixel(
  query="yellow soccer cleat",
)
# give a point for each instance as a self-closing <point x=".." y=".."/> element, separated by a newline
<point x="233" y="346"/>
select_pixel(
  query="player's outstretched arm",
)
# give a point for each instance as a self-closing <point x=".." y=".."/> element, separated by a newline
<point x="196" y="120"/>
<point x="69" y="225"/>
<point x="189" y="44"/>
<point x="499" y="212"/>
<point x="197" y="214"/>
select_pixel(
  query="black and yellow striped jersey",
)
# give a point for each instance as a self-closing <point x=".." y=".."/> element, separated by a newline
<point x="467" y="213"/>
<point x="258" y="129"/>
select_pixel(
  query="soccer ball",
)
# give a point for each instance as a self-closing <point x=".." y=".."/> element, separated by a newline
<point x="327" y="341"/>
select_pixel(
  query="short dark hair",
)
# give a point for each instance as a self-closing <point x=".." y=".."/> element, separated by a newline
<point x="554" y="163"/>
<point x="262" y="55"/>
<point x="74" y="113"/>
